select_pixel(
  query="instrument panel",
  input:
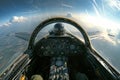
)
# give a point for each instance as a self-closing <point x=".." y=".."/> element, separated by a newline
<point x="59" y="46"/>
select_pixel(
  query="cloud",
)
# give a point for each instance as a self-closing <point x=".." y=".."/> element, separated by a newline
<point x="94" y="1"/>
<point x="7" y="24"/>
<point x="96" y="7"/>
<point x="115" y="4"/>
<point x="17" y="19"/>
<point x="96" y="10"/>
<point x="14" y="19"/>
<point x="69" y="15"/>
<point x="66" y="5"/>
<point x="31" y="11"/>
<point x="0" y="25"/>
<point x="98" y="21"/>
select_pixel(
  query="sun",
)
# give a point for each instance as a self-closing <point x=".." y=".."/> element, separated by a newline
<point x="98" y="21"/>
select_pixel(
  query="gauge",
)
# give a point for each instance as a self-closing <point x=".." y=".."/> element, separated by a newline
<point x="72" y="47"/>
<point x="59" y="63"/>
<point x="62" y="53"/>
<point x="45" y="53"/>
<point x="42" y="47"/>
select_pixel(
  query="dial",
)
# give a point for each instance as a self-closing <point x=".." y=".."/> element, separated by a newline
<point x="60" y="47"/>
<point x="72" y="47"/>
<point x="59" y="63"/>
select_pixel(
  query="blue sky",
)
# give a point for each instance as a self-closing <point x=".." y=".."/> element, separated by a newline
<point x="15" y="7"/>
<point x="9" y="8"/>
<point x="105" y="8"/>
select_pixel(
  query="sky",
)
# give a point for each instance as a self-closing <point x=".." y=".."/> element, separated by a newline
<point x="95" y="13"/>
<point x="107" y="8"/>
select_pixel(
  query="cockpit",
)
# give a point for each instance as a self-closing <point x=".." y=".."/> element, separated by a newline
<point x="60" y="48"/>
<point x="60" y="39"/>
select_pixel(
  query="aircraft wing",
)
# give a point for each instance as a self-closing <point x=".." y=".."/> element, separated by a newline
<point x="93" y="35"/>
<point x="23" y="35"/>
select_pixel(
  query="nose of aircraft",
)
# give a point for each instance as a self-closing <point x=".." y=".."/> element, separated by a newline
<point x="59" y="26"/>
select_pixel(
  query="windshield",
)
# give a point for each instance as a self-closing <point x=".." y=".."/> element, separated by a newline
<point x="99" y="18"/>
<point x="70" y="29"/>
